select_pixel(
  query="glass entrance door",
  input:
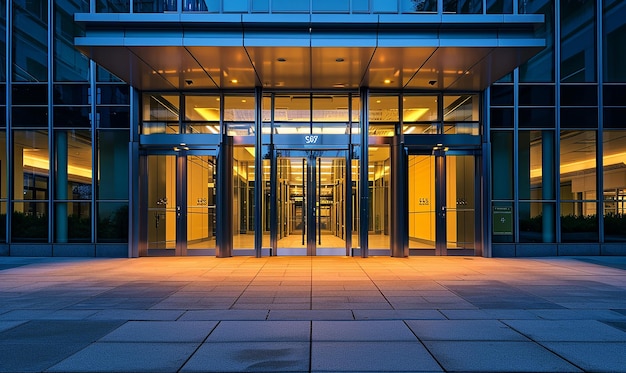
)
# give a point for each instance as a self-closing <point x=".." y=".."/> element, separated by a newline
<point x="442" y="204"/>
<point x="181" y="204"/>
<point x="310" y="205"/>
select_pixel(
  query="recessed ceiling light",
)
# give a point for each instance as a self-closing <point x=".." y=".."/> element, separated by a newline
<point x="378" y="101"/>
<point x="281" y="59"/>
<point x="244" y="101"/>
<point x="386" y="81"/>
<point x="234" y="81"/>
<point x="339" y="59"/>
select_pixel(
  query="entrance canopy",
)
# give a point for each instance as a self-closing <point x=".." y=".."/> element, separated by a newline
<point x="309" y="51"/>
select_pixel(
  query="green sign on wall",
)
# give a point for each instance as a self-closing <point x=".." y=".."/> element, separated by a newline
<point x="502" y="221"/>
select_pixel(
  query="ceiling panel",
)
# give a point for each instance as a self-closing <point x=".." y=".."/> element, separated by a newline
<point x="229" y="67"/>
<point x="282" y="67"/>
<point x="339" y="67"/>
<point x="393" y="67"/>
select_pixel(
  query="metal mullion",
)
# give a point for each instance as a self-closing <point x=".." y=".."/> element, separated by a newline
<point x="258" y="174"/>
<point x="9" y="127"/>
<point x="94" y="149"/>
<point x="51" y="147"/>
<point x="556" y="174"/>
<point x="516" y="201"/>
<point x="600" y="130"/>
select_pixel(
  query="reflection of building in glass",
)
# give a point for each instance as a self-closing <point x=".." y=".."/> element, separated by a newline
<point x="331" y="127"/>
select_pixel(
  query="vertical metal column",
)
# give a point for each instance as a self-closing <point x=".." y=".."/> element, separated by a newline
<point x="347" y="193"/>
<point x="311" y="206"/>
<point x="258" y="173"/>
<point x="440" y="203"/>
<point x="399" y="204"/>
<point x="181" y="203"/>
<point x="363" y="175"/>
<point x="224" y="224"/>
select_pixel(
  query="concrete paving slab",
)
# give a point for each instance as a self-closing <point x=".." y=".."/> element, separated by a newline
<point x="306" y="315"/>
<point x="250" y="357"/>
<point x="224" y="315"/>
<point x="6" y="325"/>
<point x="128" y="357"/>
<point x="592" y="356"/>
<point x="161" y="331"/>
<point x="567" y="331"/>
<point x="390" y="356"/>
<point x="123" y="314"/>
<point x="261" y="331"/>
<point x="463" y="330"/>
<point x="346" y="331"/>
<point x="408" y="314"/>
<point x="34" y="357"/>
<point x="492" y="356"/>
<point x="58" y="331"/>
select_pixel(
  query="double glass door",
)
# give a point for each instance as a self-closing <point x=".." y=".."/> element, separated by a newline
<point x="181" y="204"/>
<point x="311" y="202"/>
<point x="442" y="203"/>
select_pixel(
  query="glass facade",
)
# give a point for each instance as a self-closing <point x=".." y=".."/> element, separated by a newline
<point x="536" y="164"/>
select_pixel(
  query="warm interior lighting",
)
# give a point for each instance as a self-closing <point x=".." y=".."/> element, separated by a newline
<point x="30" y="161"/>
<point x="587" y="164"/>
<point x="413" y="115"/>
<point x="234" y="81"/>
<point x="387" y="81"/>
<point x="208" y="114"/>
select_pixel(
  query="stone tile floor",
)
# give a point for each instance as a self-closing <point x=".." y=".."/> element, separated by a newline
<point x="313" y="314"/>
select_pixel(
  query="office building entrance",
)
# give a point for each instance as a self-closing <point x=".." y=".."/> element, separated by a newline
<point x="442" y="203"/>
<point x="311" y="203"/>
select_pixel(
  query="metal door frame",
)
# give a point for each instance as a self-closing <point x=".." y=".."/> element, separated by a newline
<point x="181" y="176"/>
<point x="440" y="153"/>
<point x="313" y="173"/>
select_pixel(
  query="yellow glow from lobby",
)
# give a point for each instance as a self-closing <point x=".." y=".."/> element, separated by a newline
<point x="609" y="160"/>
<point x="43" y="164"/>
<point x="208" y="114"/>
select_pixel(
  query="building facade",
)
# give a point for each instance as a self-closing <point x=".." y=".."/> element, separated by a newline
<point x="305" y="127"/>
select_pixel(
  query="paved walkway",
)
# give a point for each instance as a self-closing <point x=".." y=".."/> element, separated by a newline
<point x="300" y="314"/>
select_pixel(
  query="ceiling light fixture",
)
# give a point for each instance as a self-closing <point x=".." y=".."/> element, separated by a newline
<point x="387" y="81"/>
<point x="281" y="59"/>
<point x="339" y="59"/>
<point x="234" y="81"/>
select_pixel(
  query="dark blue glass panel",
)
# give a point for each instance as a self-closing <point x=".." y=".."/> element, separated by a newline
<point x="614" y="28"/>
<point x="112" y="6"/>
<point x="579" y="95"/>
<point x="579" y="117"/>
<point x="71" y="94"/>
<point x="463" y="6"/>
<point x="113" y="117"/>
<point x="3" y="41"/>
<point x="341" y="6"/>
<point x="536" y="95"/>
<point x="501" y="95"/>
<point x="30" y="41"/>
<point x="536" y="117"/>
<point x="540" y="68"/>
<point x="578" y="41"/>
<point x="499" y="6"/>
<point x="30" y="94"/>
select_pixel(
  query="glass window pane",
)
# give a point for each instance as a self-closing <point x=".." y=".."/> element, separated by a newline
<point x="461" y="108"/>
<point x="102" y="75"/>
<point x="360" y="6"/>
<point x="614" y="95"/>
<point x="331" y="108"/>
<point x="614" y="39"/>
<point x="536" y="222"/>
<point x="161" y="107"/>
<point x="30" y="165"/>
<point x="578" y="166"/>
<point x="29" y="222"/>
<point x="614" y="150"/>
<point x="540" y="68"/>
<point x="536" y="165"/>
<point x="3" y="41"/>
<point x="113" y="94"/>
<point x="112" y="153"/>
<point x="383" y="109"/>
<point x="244" y="184"/>
<point x="536" y="95"/>
<point x="384" y="6"/>
<point x="614" y="117"/>
<point x="579" y="221"/>
<point x="290" y="5"/>
<point x="71" y="94"/>
<point x="501" y="118"/>
<point x="237" y="108"/>
<point x="112" y="6"/>
<point x="379" y="180"/>
<point x="419" y="108"/>
<point x="499" y="6"/>
<point x="201" y="203"/>
<point x="501" y="95"/>
<point x="260" y="5"/>
<point x="212" y="6"/>
<point x="29" y="94"/>
<point x="579" y="118"/>
<point x="73" y="164"/>
<point x="578" y="40"/>
<point x="411" y="6"/>
<point x="112" y="224"/>
<point x="502" y="164"/>
<point x="292" y="108"/>
<point x="536" y="117"/>
<point x="579" y="95"/>
<point x="197" y="108"/>
<point x="72" y="222"/>
<point x="342" y="6"/>
<point x="113" y="117"/>
<point x="3" y="165"/>
<point x="69" y="63"/>
<point x="30" y="41"/>
<point x="463" y="6"/>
